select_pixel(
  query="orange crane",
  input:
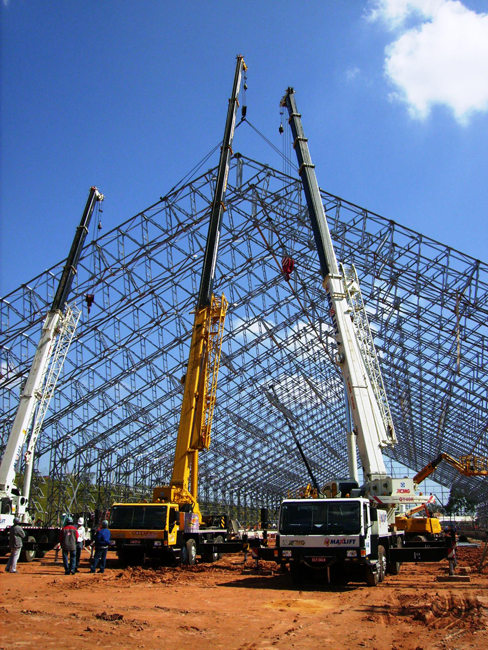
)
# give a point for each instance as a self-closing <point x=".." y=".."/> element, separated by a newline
<point x="468" y="465"/>
<point x="427" y="527"/>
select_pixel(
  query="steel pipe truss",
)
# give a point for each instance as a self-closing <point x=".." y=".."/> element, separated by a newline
<point x="114" y="417"/>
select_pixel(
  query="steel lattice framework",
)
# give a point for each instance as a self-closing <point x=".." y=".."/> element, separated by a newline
<point x="114" y="418"/>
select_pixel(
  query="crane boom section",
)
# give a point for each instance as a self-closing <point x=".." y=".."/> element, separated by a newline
<point x="200" y="388"/>
<point x="217" y="209"/>
<point x="33" y="388"/>
<point x="373" y="431"/>
<point x="28" y="400"/>
<point x="203" y="363"/>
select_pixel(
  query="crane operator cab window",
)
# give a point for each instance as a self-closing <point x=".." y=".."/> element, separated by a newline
<point x="366" y="519"/>
<point x="6" y="506"/>
<point x="135" y="516"/>
<point x="327" y="517"/>
<point x="174" y="517"/>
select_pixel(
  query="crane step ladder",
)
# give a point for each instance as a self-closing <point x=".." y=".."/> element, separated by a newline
<point x="366" y="344"/>
<point x="214" y="334"/>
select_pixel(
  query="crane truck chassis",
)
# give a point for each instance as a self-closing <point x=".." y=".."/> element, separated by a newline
<point x="162" y="531"/>
<point x="342" y="540"/>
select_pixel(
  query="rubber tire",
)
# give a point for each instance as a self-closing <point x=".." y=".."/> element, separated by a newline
<point x="393" y="568"/>
<point x="214" y="557"/>
<point x="43" y="539"/>
<point x="297" y="572"/>
<point x="189" y="552"/>
<point x="25" y="555"/>
<point x="381" y="564"/>
<point x="371" y="577"/>
<point x="338" y="577"/>
<point x="130" y="558"/>
<point x="218" y="540"/>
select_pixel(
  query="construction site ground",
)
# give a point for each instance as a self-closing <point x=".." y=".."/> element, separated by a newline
<point x="230" y="604"/>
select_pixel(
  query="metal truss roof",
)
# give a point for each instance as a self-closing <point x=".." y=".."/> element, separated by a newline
<point x="115" y="414"/>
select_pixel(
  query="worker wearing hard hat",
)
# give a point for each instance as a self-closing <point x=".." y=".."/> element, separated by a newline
<point x="16" y="535"/>
<point x="80" y="544"/>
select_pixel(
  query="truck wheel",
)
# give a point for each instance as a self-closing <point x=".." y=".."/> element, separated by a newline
<point x="371" y="576"/>
<point x="25" y="555"/>
<point x="392" y="567"/>
<point x="130" y="558"/>
<point x="189" y="552"/>
<point x="214" y="557"/>
<point x="381" y="563"/>
<point x="298" y="573"/>
<point x="44" y="539"/>
<point x="338" y="576"/>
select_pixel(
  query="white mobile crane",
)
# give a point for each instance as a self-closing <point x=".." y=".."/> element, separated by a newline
<point x="349" y="532"/>
<point x="56" y="336"/>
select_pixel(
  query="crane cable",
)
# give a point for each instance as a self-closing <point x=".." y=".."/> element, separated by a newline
<point x="285" y="158"/>
<point x="295" y="294"/>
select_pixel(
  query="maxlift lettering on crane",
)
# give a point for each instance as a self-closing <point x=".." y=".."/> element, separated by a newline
<point x="348" y="532"/>
<point x="57" y="333"/>
<point x="171" y="527"/>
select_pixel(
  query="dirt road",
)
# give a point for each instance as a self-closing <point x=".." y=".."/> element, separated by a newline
<point x="230" y="605"/>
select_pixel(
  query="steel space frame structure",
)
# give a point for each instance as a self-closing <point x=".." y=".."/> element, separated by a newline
<point x="113" y="421"/>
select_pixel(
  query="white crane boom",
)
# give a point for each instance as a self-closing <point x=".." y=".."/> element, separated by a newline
<point x="370" y="415"/>
<point x="12" y="501"/>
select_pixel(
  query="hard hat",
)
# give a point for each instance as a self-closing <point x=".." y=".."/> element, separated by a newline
<point x="81" y="521"/>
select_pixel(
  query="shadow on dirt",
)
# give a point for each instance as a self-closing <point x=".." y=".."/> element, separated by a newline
<point x="283" y="582"/>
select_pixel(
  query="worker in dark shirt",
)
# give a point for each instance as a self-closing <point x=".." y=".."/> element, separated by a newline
<point x="15" y="537"/>
<point x="102" y="542"/>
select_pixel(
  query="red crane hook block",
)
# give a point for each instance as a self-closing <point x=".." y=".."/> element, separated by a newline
<point x="287" y="266"/>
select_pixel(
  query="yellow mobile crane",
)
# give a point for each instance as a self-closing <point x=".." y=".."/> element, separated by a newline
<point x="172" y="526"/>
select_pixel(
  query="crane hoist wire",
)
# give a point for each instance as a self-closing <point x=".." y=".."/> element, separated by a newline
<point x="192" y="171"/>
<point x="285" y="158"/>
<point x="287" y="279"/>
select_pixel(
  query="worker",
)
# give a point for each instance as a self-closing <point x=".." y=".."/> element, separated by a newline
<point x="68" y="538"/>
<point x="16" y="535"/>
<point x="102" y="542"/>
<point x="80" y="544"/>
<point x="450" y="532"/>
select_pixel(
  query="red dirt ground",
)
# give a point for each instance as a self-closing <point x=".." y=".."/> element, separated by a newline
<point x="231" y="605"/>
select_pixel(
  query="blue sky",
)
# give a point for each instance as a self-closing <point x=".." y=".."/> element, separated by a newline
<point x="129" y="95"/>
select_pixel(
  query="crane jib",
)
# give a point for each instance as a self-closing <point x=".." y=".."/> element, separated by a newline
<point x="217" y="209"/>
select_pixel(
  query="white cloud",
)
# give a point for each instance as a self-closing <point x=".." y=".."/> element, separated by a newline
<point x="440" y="55"/>
<point x="352" y="73"/>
